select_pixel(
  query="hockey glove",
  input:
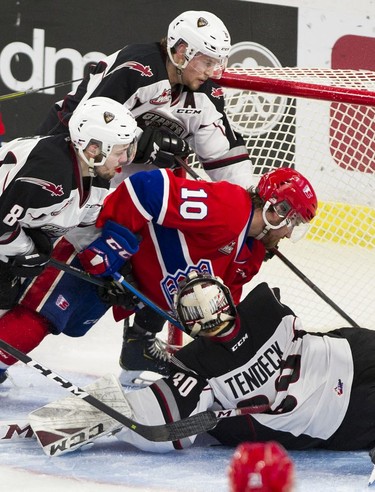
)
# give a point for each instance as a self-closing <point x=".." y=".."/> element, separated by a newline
<point x="107" y="254"/>
<point x="9" y="286"/>
<point x="32" y="264"/>
<point x="158" y="147"/>
<point x="114" y="294"/>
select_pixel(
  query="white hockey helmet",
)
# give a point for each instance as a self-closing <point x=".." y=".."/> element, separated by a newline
<point x="104" y="122"/>
<point x="202" y="33"/>
<point x="203" y="303"/>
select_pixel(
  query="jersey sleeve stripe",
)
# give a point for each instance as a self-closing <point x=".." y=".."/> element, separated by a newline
<point x="164" y="206"/>
<point x="136" y="201"/>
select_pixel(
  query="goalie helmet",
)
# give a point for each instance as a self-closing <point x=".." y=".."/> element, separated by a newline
<point x="261" y="467"/>
<point x="105" y="123"/>
<point x="203" y="303"/>
<point x="290" y="195"/>
<point x="203" y="33"/>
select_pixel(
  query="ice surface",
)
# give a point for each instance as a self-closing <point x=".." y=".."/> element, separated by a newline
<point x="110" y="465"/>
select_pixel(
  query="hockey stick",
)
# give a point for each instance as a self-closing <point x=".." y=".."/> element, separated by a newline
<point x="187" y="168"/>
<point x="315" y="288"/>
<point x="119" y="279"/>
<point x="190" y="426"/>
<point x="13" y="95"/>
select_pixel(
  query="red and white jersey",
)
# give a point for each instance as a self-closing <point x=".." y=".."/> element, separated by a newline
<point x="185" y="225"/>
<point x="42" y="187"/>
<point x="136" y="76"/>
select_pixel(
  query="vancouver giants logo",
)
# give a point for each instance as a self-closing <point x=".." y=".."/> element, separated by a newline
<point x="55" y="190"/>
<point x="217" y="92"/>
<point x="164" y="98"/>
<point x="144" y="69"/>
<point x="170" y="283"/>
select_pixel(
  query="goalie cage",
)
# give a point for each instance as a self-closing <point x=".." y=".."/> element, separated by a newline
<point x="322" y="122"/>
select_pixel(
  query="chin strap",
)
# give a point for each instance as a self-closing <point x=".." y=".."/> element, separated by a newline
<point x="91" y="165"/>
<point x="263" y="233"/>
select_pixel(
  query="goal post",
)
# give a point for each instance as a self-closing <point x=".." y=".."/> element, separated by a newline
<point x="322" y="123"/>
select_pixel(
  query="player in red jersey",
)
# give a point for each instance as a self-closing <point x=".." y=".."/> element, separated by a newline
<point x="185" y="226"/>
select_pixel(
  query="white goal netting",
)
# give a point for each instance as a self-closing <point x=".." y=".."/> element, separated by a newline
<point x="320" y="121"/>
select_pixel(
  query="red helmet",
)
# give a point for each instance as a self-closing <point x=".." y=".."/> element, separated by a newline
<point x="288" y="187"/>
<point x="261" y="467"/>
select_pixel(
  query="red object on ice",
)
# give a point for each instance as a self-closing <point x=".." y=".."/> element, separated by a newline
<point x="261" y="467"/>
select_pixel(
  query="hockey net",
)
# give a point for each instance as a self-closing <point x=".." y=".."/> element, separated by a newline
<point x="322" y="122"/>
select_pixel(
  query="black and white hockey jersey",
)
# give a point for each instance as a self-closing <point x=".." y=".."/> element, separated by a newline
<point x="305" y="378"/>
<point x="42" y="187"/>
<point x="136" y="76"/>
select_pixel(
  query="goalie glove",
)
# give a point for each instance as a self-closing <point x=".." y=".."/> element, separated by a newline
<point x="107" y="254"/>
<point x="159" y="146"/>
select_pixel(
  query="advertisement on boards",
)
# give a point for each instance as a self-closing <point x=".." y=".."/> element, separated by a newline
<point x="41" y="46"/>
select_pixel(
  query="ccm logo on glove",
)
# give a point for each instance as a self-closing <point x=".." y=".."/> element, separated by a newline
<point x="107" y="254"/>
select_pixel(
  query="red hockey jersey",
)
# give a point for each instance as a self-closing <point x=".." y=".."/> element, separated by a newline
<point x="185" y="225"/>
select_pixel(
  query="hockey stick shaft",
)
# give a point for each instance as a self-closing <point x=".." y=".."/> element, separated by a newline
<point x="196" y="424"/>
<point x="76" y="272"/>
<point x="121" y="280"/>
<point x="314" y="287"/>
<point x="187" y="168"/>
<point x="13" y="95"/>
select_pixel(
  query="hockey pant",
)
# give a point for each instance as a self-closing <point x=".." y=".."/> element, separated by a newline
<point x="54" y="302"/>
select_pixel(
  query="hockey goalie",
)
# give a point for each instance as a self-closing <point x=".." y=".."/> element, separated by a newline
<point x="310" y="386"/>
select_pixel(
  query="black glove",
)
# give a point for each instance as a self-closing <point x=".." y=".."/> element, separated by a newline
<point x="32" y="264"/>
<point x="159" y="146"/>
<point x="9" y="286"/>
<point x="270" y="253"/>
<point x="114" y="294"/>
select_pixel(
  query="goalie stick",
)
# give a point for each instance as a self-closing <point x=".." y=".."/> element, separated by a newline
<point x="190" y="426"/>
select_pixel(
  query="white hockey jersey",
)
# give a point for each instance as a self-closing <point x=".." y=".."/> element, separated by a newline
<point x="136" y="76"/>
<point x="42" y="187"/>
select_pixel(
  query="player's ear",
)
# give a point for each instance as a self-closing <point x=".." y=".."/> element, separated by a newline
<point x="180" y="51"/>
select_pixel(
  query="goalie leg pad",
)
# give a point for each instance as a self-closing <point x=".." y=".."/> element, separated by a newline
<point x="68" y="424"/>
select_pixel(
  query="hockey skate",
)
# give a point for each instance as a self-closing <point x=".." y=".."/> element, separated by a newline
<point x="142" y="351"/>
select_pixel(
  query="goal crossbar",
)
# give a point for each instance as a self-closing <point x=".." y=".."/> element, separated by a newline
<point x="349" y="86"/>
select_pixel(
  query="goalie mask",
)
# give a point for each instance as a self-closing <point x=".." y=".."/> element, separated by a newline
<point x="104" y="123"/>
<point x="289" y="194"/>
<point x="205" y="35"/>
<point x="203" y="304"/>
